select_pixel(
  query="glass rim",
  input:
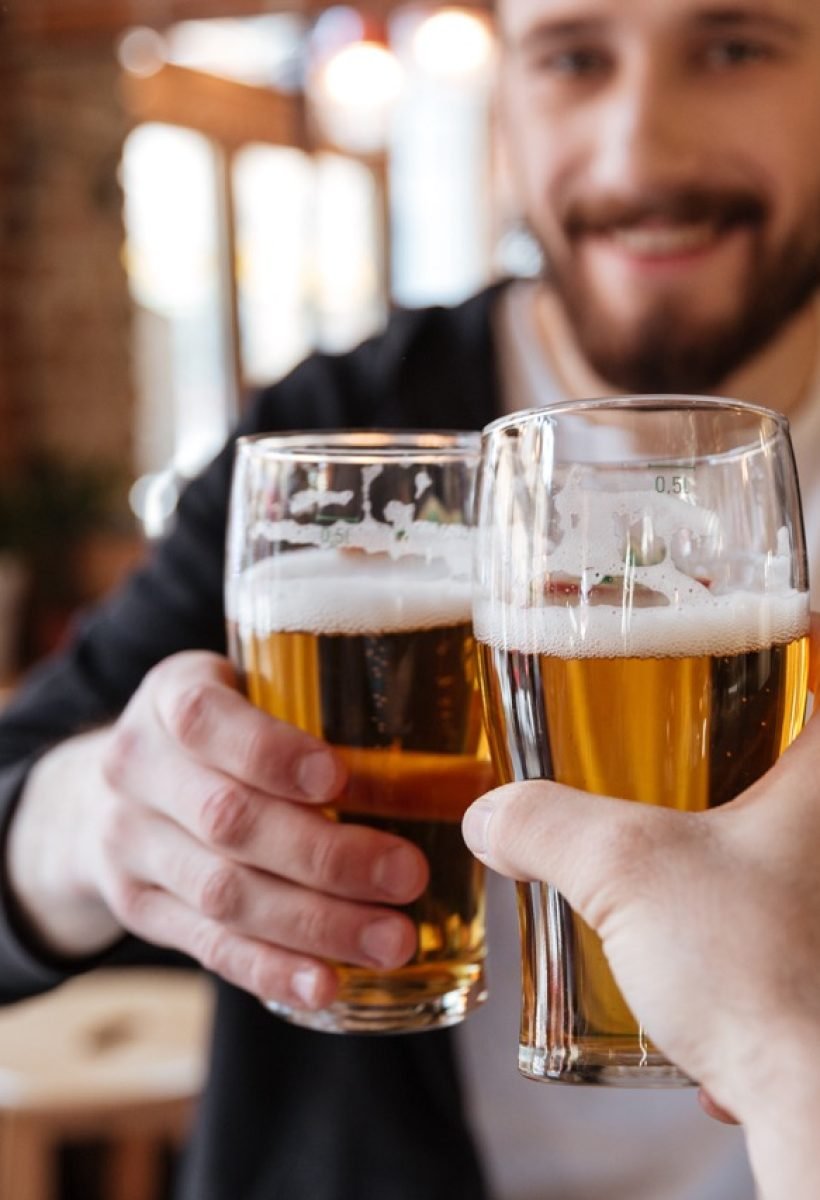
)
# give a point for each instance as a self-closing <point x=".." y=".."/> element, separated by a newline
<point x="366" y="445"/>
<point x="650" y="402"/>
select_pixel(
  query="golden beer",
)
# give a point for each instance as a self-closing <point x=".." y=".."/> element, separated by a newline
<point x="642" y="604"/>
<point x="687" y="723"/>
<point x="399" y="700"/>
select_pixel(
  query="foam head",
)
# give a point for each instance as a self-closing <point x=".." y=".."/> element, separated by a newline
<point x="348" y="592"/>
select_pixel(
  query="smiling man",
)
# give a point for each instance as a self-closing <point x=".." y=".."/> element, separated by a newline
<point x="667" y="158"/>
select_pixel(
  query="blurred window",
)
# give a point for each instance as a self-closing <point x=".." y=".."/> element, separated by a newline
<point x="440" y="158"/>
<point x="172" y="257"/>
<point x="243" y="260"/>
<point x="308" y="270"/>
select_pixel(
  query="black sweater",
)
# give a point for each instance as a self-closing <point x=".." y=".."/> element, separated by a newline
<point x="287" y="1114"/>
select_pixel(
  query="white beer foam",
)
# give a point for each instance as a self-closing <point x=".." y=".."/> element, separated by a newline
<point x="344" y="592"/>
<point x="693" y="595"/>
<point x="731" y="623"/>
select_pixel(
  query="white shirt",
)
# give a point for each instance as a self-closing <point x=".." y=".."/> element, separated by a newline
<point x="543" y="1141"/>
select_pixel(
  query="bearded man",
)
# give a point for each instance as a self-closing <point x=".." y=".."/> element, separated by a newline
<point x="666" y="158"/>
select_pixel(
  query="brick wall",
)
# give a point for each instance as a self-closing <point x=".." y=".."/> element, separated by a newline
<point x="65" y="320"/>
<point x="65" y="381"/>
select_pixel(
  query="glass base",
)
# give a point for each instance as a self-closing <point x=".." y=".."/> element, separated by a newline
<point x="375" y="1011"/>
<point x="602" y="1066"/>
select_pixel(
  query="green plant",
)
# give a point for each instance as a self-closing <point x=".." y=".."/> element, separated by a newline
<point x="46" y="507"/>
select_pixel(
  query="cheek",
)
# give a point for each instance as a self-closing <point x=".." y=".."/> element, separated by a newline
<point x="774" y="143"/>
<point x="538" y="191"/>
<point x="795" y="196"/>
<point x="532" y="155"/>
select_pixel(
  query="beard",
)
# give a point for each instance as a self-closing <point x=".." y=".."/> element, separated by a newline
<point x="670" y="349"/>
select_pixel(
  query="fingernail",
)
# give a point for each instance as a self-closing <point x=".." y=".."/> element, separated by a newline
<point x="383" y="942"/>
<point x="316" y="775"/>
<point x="305" y="984"/>
<point x="475" y="825"/>
<point x="398" y="873"/>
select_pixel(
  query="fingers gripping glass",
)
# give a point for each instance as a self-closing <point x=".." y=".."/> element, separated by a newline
<point x="348" y="599"/>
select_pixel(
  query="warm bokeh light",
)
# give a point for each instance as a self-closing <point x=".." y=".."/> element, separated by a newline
<point x="354" y="93"/>
<point x="141" y="51"/>
<point x="362" y="75"/>
<point x="263" y="51"/>
<point x="453" y="42"/>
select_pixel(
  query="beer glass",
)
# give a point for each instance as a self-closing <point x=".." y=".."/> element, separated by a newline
<point x="642" y="612"/>
<point x="348" y="602"/>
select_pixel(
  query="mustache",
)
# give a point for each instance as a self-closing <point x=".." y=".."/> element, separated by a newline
<point x="720" y="207"/>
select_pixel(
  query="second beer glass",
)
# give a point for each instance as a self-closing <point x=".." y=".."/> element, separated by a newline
<point x="348" y="601"/>
<point x="642" y="614"/>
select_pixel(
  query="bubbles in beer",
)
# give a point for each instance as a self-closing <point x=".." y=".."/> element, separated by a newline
<point x="375" y="655"/>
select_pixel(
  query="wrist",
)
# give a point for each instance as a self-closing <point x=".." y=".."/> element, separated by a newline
<point x="780" y="1116"/>
<point x="51" y="861"/>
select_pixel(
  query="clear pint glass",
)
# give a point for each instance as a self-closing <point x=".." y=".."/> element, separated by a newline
<point x="348" y="600"/>
<point x="642" y="613"/>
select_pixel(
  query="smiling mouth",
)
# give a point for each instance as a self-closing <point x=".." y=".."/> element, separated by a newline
<point x="661" y="240"/>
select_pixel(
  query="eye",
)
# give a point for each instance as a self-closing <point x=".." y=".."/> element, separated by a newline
<point x="579" y="62"/>
<point x="735" y="52"/>
<point x="583" y="62"/>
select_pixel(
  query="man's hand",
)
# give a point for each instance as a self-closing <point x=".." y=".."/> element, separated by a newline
<point x="692" y="908"/>
<point x="195" y="823"/>
<point x="711" y="923"/>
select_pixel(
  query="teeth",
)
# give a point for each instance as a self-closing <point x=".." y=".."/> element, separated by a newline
<point x="657" y="241"/>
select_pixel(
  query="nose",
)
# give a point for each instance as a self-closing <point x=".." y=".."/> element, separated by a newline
<point x="645" y="131"/>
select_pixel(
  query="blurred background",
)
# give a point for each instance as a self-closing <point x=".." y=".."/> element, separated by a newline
<point x="194" y="194"/>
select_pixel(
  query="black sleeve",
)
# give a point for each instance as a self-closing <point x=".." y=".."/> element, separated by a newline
<point x="172" y="603"/>
<point x="418" y="372"/>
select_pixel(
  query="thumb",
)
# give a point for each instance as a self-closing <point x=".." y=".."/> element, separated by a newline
<point x="587" y="846"/>
<point x="814" y="655"/>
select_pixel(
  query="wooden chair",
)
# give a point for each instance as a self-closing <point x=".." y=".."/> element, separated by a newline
<point x="116" y="1055"/>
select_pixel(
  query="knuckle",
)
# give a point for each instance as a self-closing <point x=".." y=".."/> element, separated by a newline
<point x="311" y="927"/>
<point x="120" y="753"/>
<point x="128" y="900"/>
<point x="188" y="713"/>
<point x="115" y="827"/>
<point x="115" y="816"/>
<point x="256" y="751"/>
<point x="264" y="977"/>
<point x="627" y="848"/>
<point x="226" y="817"/>
<point x="325" y="858"/>
<point x="510" y="833"/>
<point x="623" y="861"/>
<point x="220" y="895"/>
<point x="211" y="946"/>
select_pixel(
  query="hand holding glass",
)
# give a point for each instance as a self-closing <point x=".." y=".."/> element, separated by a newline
<point x="642" y="615"/>
<point x="348" y="598"/>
